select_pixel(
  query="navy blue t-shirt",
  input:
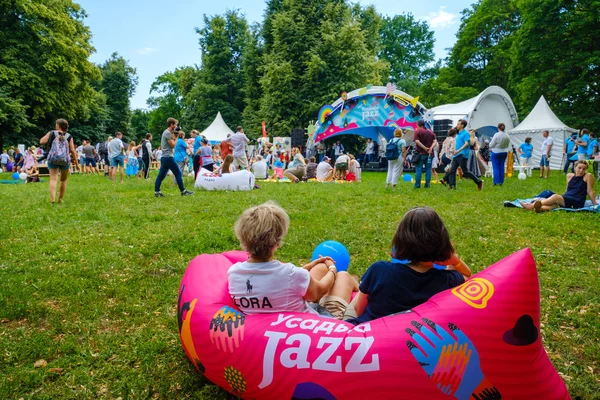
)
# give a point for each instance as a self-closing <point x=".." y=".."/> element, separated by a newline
<point x="393" y="288"/>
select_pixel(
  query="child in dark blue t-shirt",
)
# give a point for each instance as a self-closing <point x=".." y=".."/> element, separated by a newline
<point x="387" y="288"/>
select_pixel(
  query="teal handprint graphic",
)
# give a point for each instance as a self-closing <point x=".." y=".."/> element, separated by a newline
<point x="452" y="362"/>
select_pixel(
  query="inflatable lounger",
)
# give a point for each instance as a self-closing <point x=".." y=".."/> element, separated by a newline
<point x="588" y="205"/>
<point x="480" y="340"/>
<point x="240" y="180"/>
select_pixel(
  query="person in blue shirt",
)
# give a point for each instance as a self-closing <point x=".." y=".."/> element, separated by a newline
<point x="461" y="155"/>
<point x="570" y="153"/>
<point x="180" y="150"/>
<point x="582" y="145"/>
<point x="197" y="143"/>
<point x="592" y="146"/>
<point x="526" y="151"/>
<point x="390" y="287"/>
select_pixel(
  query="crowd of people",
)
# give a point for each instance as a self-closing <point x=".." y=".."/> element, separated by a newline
<point x="460" y="153"/>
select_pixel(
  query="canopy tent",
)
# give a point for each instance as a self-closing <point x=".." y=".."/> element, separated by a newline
<point x="217" y="131"/>
<point x="372" y="112"/>
<point x="483" y="113"/>
<point x="540" y="119"/>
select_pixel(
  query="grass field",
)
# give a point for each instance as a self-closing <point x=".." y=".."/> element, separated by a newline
<point x="90" y="286"/>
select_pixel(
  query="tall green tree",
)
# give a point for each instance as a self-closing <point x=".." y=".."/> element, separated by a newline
<point x="220" y="84"/>
<point x="318" y="50"/>
<point x="556" y="53"/>
<point x="252" y="71"/>
<point x="45" y="72"/>
<point x="119" y="81"/>
<point x="140" y="120"/>
<point x="481" y="54"/>
<point x="407" y="45"/>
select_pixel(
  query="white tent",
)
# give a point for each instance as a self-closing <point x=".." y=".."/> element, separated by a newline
<point x="541" y="118"/>
<point x="483" y="113"/>
<point x="217" y="131"/>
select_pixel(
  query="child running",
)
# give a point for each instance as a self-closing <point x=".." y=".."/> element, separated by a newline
<point x="271" y="286"/>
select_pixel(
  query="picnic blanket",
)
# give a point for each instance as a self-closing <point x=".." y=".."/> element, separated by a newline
<point x="588" y="205"/>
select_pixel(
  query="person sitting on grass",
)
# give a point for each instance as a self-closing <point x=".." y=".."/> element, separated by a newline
<point x="390" y="287"/>
<point x="277" y="169"/>
<point x="271" y="286"/>
<point x="33" y="175"/>
<point x="325" y="170"/>
<point x="225" y="168"/>
<point x="354" y="169"/>
<point x="297" y="167"/>
<point x="311" y="169"/>
<point x="579" y="185"/>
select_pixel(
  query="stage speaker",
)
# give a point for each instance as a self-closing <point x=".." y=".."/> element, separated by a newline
<point x="298" y="138"/>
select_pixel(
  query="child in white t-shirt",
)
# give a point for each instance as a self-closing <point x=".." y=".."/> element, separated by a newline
<point x="265" y="285"/>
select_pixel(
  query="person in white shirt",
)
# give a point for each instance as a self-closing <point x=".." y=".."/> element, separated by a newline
<point x="259" y="168"/>
<point x="265" y="285"/>
<point x="369" y="152"/>
<point x="499" y="147"/>
<point x="324" y="170"/>
<point x="116" y="156"/>
<point x="239" y="140"/>
<point x="546" y="154"/>
<point x="341" y="166"/>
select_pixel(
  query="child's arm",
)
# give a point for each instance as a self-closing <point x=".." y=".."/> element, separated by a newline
<point x="318" y="288"/>
<point x="319" y="260"/>
<point x="459" y="266"/>
<point x="359" y="302"/>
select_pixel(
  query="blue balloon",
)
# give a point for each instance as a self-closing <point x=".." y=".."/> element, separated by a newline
<point x="15" y="176"/>
<point x="336" y="251"/>
<point x="406" y="178"/>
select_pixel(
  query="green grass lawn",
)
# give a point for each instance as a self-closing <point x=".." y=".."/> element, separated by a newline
<point x="90" y="286"/>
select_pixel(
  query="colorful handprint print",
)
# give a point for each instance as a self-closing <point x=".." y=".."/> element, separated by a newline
<point x="451" y="362"/>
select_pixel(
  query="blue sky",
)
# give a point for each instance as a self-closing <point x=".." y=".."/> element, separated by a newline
<point x="157" y="36"/>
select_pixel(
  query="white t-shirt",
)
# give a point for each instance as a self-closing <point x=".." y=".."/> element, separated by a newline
<point x="259" y="169"/>
<point x="547" y="142"/>
<point x="238" y="140"/>
<point x="342" y="159"/>
<point x="268" y="287"/>
<point x="323" y="169"/>
<point x="4" y="158"/>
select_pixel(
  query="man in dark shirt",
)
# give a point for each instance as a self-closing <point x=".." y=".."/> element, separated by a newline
<point x="425" y="143"/>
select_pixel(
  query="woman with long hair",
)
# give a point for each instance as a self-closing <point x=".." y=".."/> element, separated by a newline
<point x="296" y="167"/>
<point x="62" y="151"/>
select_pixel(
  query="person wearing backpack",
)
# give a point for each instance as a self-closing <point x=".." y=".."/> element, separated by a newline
<point x="62" y="151"/>
<point x="103" y="153"/>
<point x="395" y="151"/>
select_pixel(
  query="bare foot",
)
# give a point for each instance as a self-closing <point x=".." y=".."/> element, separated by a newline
<point x="537" y="206"/>
<point x="527" y="206"/>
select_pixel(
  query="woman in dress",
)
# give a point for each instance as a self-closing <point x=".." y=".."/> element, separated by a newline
<point x="132" y="162"/>
<point x="472" y="163"/>
<point x="579" y="185"/>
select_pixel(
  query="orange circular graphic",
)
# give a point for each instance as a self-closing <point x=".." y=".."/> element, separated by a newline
<point x="475" y="292"/>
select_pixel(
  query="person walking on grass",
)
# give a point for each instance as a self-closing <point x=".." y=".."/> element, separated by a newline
<point x="395" y="154"/>
<point x="167" y="161"/>
<point x="460" y="157"/>
<point x="546" y="153"/>
<point x="499" y="147"/>
<point x="582" y="145"/>
<point x="116" y="156"/>
<point x="62" y="150"/>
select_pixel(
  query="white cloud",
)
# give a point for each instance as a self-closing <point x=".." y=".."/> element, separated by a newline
<point x="146" y="50"/>
<point x="441" y="19"/>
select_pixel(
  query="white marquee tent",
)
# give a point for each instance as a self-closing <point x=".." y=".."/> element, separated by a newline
<point x="540" y="119"/>
<point x="483" y="113"/>
<point x="217" y="131"/>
